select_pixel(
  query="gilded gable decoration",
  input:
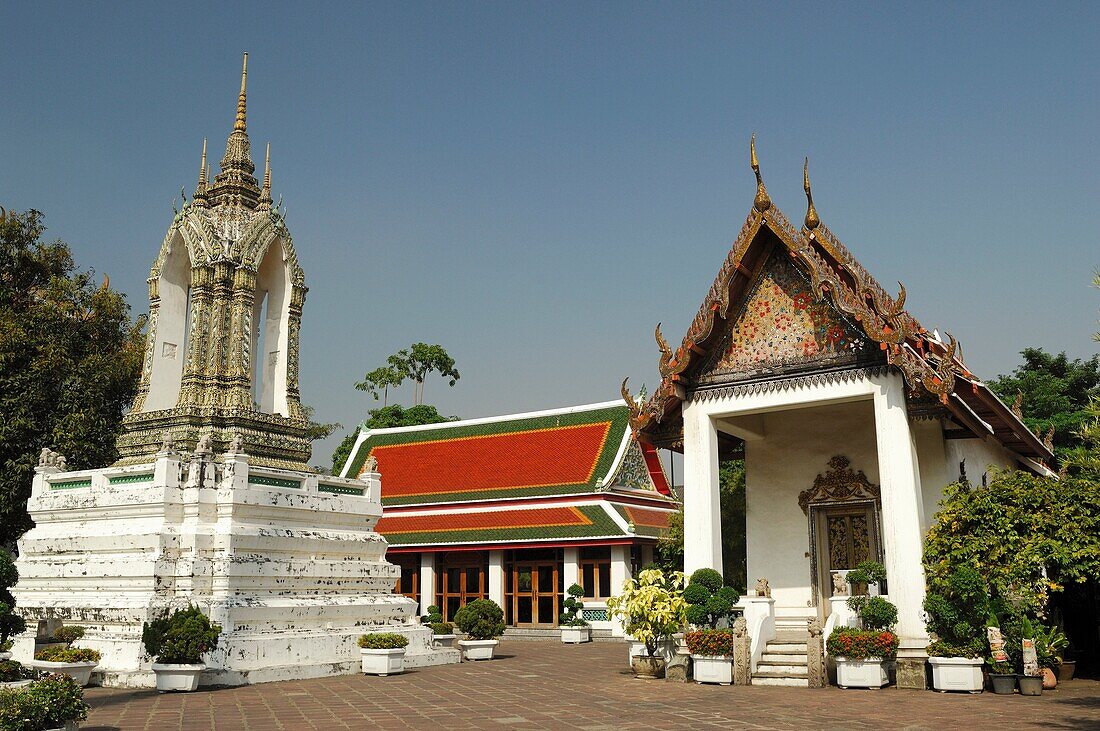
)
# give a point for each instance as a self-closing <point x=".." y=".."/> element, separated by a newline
<point x="840" y="484"/>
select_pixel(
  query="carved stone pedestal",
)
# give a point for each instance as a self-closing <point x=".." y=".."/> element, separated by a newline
<point x="912" y="673"/>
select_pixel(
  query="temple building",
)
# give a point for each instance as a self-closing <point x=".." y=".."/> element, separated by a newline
<point x="518" y="508"/>
<point x="851" y="418"/>
<point x="212" y="502"/>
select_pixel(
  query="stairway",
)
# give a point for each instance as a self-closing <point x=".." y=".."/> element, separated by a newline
<point x="784" y="661"/>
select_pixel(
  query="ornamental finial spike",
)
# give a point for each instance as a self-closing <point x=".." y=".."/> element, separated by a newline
<point x="265" y="193"/>
<point x="202" y="165"/>
<point x="812" y="220"/>
<point x="762" y="202"/>
<point x="241" y="104"/>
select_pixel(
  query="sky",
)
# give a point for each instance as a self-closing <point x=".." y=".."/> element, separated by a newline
<point x="535" y="185"/>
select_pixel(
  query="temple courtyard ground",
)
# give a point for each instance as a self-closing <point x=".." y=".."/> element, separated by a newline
<point x="545" y="685"/>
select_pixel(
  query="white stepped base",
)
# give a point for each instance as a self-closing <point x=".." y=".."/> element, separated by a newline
<point x="785" y="681"/>
<point x="795" y="671"/>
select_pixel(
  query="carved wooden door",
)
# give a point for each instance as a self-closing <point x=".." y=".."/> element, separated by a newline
<point x="847" y="536"/>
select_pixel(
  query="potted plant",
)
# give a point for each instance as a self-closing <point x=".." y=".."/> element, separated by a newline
<point x="574" y="627"/>
<point x="14" y="675"/>
<point x="62" y="657"/>
<point x="383" y="653"/>
<point x="957" y="608"/>
<point x="178" y="643"/>
<point x="483" y="621"/>
<point x="862" y="655"/>
<point x="443" y="633"/>
<point x="652" y="608"/>
<point x="711" y="655"/>
<point x="52" y="703"/>
<point x="1050" y="643"/>
<point x="1002" y="676"/>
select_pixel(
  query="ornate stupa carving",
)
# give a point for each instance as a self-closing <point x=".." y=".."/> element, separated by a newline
<point x="225" y="309"/>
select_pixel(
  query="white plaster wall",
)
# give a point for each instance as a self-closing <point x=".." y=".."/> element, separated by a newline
<point x="979" y="454"/>
<point x="170" y="338"/>
<point x="935" y="471"/>
<point x="797" y="447"/>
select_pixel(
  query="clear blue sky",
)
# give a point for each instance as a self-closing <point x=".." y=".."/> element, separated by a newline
<point x="534" y="186"/>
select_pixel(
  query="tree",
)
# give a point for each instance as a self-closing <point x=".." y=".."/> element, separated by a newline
<point x="420" y="360"/>
<point x="70" y="357"/>
<point x="383" y="379"/>
<point x="1054" y="392"/>
<point x="388" y="417"/>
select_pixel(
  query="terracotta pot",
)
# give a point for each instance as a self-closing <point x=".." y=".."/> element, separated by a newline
<point x="646" y="667"/>
<point x="1066" y="670"/>
<point x="1050" y="680"/>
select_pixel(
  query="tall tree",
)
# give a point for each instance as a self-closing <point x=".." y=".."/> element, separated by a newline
<point x="388" y="417"/>
<point x="70" y="357"/>
<point x="382" y="379"/>
<point x="420" y="360"/>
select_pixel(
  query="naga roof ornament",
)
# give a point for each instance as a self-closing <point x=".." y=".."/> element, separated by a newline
<point x="812" y="219"/>
<point x="763" y="201"/>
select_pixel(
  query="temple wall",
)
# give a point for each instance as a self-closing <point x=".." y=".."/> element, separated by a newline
<point x="797" y="447"/>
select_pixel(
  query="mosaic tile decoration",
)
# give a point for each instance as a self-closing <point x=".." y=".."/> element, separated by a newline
<point x="781" y="326"/>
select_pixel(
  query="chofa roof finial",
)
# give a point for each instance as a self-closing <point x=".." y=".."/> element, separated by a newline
<point x="812" y="220"/>
<point x="241" y="102"/>
<point x="762" y="202"/>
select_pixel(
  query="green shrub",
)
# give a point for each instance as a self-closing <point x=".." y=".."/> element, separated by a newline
<point x="442" y="628"/>
<point x="68" y="635"/>
<point x="874" y="612"/>
<point x="434" y="615"/>
<point x="67" y="654"/>
<point x="10" y="671"/>
<point x="383" y="641"/>
<point x="182" y="638"/>
<point x="11" y="624"/>
<point x="860" y="644"/>
<point x="62" y="697"/>
<point x="21" y="711"/>
<point x="9" y="576"/>
<point x="571" y="617"/>
<point x="710" y="642"/>
<point x="709" y="602"/>
<point x="957" y="607"/>
<point x="481" y="619"/>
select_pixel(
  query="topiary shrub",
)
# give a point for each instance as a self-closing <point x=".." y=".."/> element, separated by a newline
<point x="571" y="617"/>
<point x="383" y="641"/>
<point x="10" y="671"/>
<point x="709" y="602"/>
<point x="67" y="654"/>
<point x="69" y="634"/>
<point x="442" y="628"/>
<point x="712" y="642"/>
<point x="181" y="638"/>
<point x="434" y="615"/>
<point x="957" y="608"/>
<point x="481" y="619"/>
<point x="874" y="612"/>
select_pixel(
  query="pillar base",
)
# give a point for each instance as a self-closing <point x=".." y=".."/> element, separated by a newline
<point x="912" y="673"/>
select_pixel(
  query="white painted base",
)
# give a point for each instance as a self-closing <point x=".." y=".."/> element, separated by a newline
<point x="177" y="676"/>
<point x="576" y="635"/>
<point x="443" y="641"/>
<point x="869" y="673"/>
<point x="957" y="673"/>
<point x="712" y="669"/>
<point x="383" y="662"/>
<point x="478" y="649"/>
<point x="81" y="672"/>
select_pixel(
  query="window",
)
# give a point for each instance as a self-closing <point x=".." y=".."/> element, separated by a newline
<point x="462" y="578"/>
<point x="595" y="572"/>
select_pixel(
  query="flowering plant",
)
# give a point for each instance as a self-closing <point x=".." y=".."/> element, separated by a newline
<point x="862" y="644"/>
<point x="710" y="642"/>
<point x="652" y="606"/>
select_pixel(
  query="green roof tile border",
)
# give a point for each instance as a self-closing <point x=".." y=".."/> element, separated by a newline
<point x="603" y="526"/>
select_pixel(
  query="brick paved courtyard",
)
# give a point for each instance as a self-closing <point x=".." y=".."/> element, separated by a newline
<point x="545" y="685"/>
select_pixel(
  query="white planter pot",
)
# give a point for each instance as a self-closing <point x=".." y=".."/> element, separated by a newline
<point x="443" y="641"/>
<point x="81" y="672"/>
<point x="576" y="635"/>
<point x="712" y="669"/>
<point x="177" y="676"/>
<point x="383" y="662"/>
<point x="665" y="649"/>
<point x="957" y="673"/>
<point x="5" y="656"/>
<point x="869" y="673"/>
<point x="16" y="684"/>
<point x="69" y="726"/>
<point x="478" y="649"/>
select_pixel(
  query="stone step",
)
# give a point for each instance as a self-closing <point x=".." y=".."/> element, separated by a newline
<point x="787" y="681"/>
<point x="771" y="658"/>
<point x="786" y="647"/>
<point x="789" y="669"/>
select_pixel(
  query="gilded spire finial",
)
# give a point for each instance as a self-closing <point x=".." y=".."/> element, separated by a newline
<point x="762" y="202"/>
<point x="265" y="193"/>
<point x="812" y="219"/>
<point x="201" y="190"/>
<point x="202" y="165"/>
<point x="241" y="102"/>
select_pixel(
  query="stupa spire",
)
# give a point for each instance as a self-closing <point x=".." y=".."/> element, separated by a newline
<point x="242" y="99"/>
<point x="265" y="193"/>
<point x="201" y="189"/>
<point x="235" y="183"/>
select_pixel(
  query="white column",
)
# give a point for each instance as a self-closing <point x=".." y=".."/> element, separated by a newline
<point x="902" y="512"/>
<point x="620" y="572"/>
<point x="496" y="577"/>
<point x="427" y="581"/>
<point x="571" y="569"/>
<point x="702" y="512"/>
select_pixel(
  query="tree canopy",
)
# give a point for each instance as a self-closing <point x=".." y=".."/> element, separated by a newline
<point x="70" y="357"/>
